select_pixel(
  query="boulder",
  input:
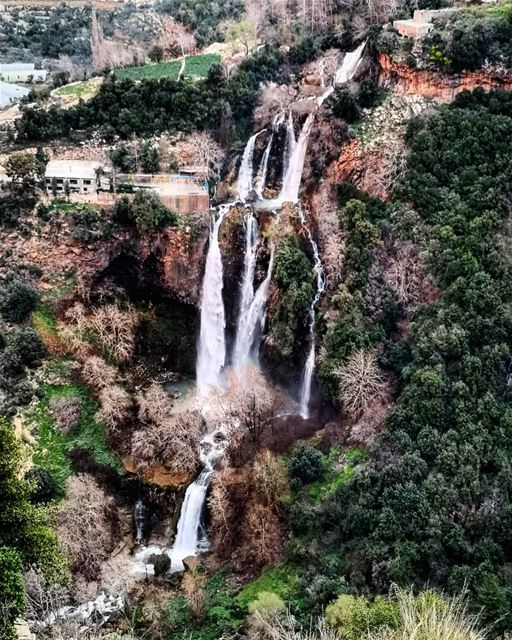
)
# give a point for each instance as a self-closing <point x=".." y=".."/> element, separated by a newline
<point x="191" y="563"/>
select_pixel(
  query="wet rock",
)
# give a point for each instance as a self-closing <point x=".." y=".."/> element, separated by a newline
<point x="191" y="563"/>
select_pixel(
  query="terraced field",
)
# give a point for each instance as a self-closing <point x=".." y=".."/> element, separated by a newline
<point x="195" y="67"/>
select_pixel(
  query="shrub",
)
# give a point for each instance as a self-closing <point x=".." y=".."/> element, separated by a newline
<point x="17" y="301"/>
<point x="115" y="405"/>
<point x="354" y="616"/>
<point x="344" y="106"/>
<point x="12" y="592"/>
<point x="65" y="410"/>
<point x="270" y="477"/>
<point x="146" y="212"/>
<point x="28" y="346"/>
<point x="45" y="487"/>
<point x="307" y="464"/>
<point x="306" y="50"/>
<point x="265" y="609"/>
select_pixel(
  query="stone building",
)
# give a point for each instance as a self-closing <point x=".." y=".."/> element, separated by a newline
<point x="421" y="22"/>
<point x="82" y="176"/>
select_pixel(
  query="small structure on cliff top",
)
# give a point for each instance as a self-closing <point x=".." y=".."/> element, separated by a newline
<point x="92" y="181"/>
<point x="421" y="22"/>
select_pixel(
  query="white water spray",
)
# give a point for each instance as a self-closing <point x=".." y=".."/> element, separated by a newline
<point x="245" y="173"/>
<point x="212" y="448"/>
<point x="211" y="355"/>
<point x="295" y="151"/>
<point x="247" y="288"/>
<point x="351" y="62"/>
<point x="309" y="367"/>
<point x="252" y="322"/>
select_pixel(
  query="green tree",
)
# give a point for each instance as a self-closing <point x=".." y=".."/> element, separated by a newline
<point x="12" y="592"/>
<point x="22" y="169"/>
<point x="17" y="301"/>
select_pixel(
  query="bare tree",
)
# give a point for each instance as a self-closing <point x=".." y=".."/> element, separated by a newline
<point x="202" y="151"/>
<point x="175" y="37"/>
<point x="406" y="276"/>
<point x="85" y="525"/>
<point x="262" y="537"/>
<point x="361" y="382"/>
<point x="250" y="400"/>
<point x="42" y="599"/>
<point x="115" y="405"/>
<point x="115" y="328"/>
<point x="65" y="412"/>
<point x="97" y="373"/>
<point x="172" y="443"/>
<point x="155" y="405"/>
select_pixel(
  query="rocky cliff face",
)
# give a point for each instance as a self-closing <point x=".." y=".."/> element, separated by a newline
<point x="404" y="80"/>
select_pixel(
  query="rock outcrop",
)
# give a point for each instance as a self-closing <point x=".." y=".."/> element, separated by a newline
<point x="402" y="79"/>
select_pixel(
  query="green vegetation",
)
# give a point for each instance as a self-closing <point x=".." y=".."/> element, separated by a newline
<point x="294" y="277"/>
<point x="17" y="301"/>
<point x="217" y="614"/>
<point x="12" y="592"/>
<point x="53" y="445"/>
<point x="446" y="443"/>
<point x="468" y="39"/>
<point x="281" y="580"/>
<point x="153" y="106"/>
<point x="79" y="89"/>
<point x="145" y="212"/>
<point x="23" y="526"/>
<point x="195" y="67"/>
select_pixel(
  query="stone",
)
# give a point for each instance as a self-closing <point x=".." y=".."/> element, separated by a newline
<point x="191" y="563"/>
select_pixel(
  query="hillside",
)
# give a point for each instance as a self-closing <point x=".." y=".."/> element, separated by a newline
<point x="255" y="324"/>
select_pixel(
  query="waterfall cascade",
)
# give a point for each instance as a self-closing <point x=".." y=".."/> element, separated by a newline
<point x="139" y="519"/>
<point x="251" y="324"/>
<point x="211" y="448"/>
<point x="212" y="346"/>
<point x="211" y="355"/>
<point x="247" y="286"/>
<point x="307" y="375"/>
<point x="245" y="173"/>
<point x="295" y="150"/>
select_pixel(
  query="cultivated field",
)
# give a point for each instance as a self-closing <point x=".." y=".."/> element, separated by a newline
<point x="195" y="66"/>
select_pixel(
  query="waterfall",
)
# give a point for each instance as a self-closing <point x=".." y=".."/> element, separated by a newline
<point x="140" y="521"/>
<point x="247" y="288"/>
<point x="349" y="65"/>
<point x="252" y="322"/>
<point x="245" y="173"/>
<point x="211" y="354"/>
<point x="295" y="151"/>
<point x="262" y="180"/>
<point x="307" y="376"/>
<point x="187" y="536"/>
<point x="295" y="164"/>
<point x="212" y="447"/>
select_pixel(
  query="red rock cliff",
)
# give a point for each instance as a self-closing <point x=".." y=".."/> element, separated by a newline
<point x="404" y="80"/>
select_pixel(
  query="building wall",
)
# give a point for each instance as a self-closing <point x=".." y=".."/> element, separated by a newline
<point x="183" y="203"/>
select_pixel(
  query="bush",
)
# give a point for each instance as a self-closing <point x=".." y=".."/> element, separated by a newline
<point x="146" y="212"/>
<point x="17" y="301"/>
<point x="28" y="346"/>
<point x="12" y="592"/>
<point x="306" y="50"/>
<point x="65" y="410"/>
<point x="307" y="464"/>
<point x="45" y="487"/>
<point x="344" y="106"/>
<point x="354" y="616"/>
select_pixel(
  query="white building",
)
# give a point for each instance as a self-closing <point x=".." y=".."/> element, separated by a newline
<point x="82" y="176"/>
<point x="21" y="72"/>
<point x="10" y="94"/>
